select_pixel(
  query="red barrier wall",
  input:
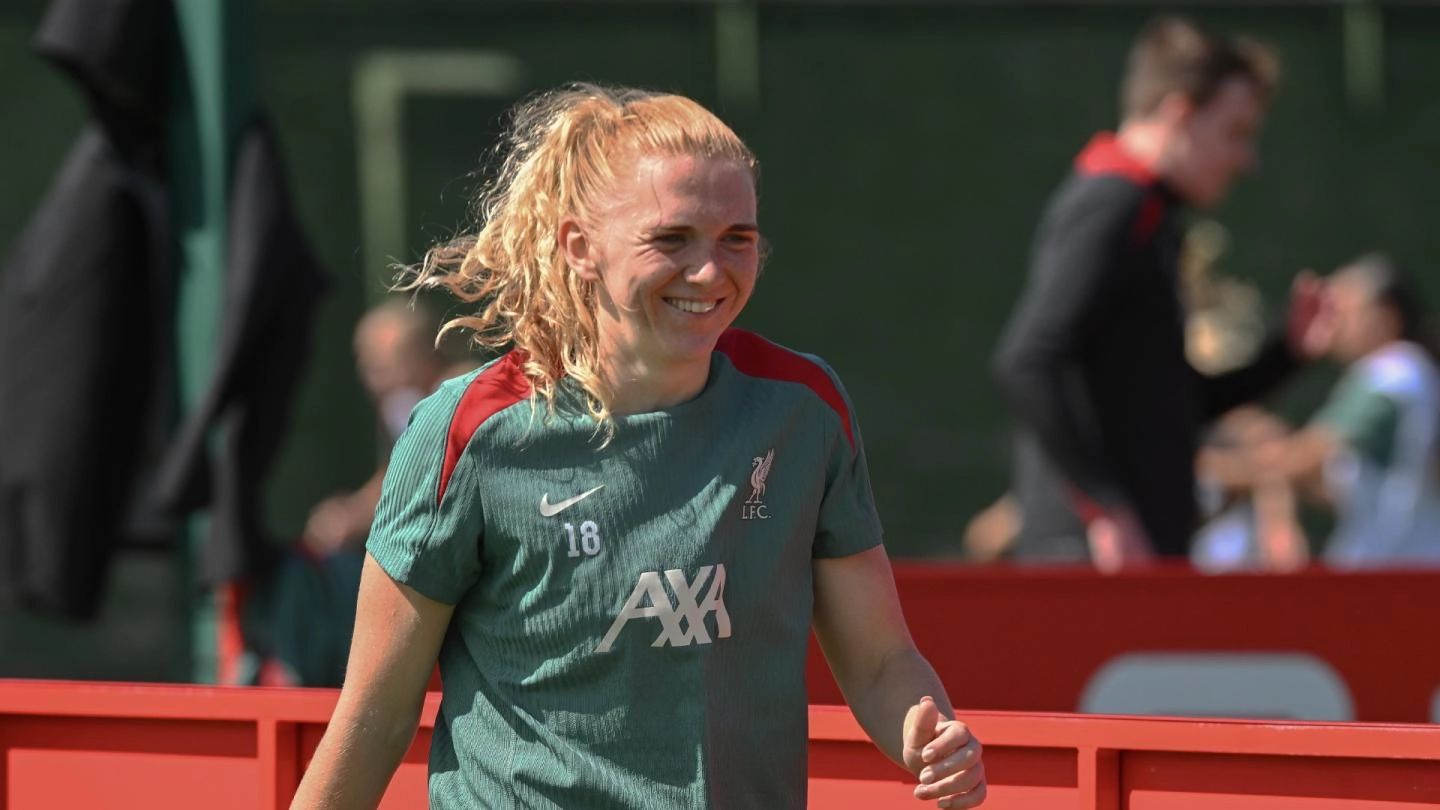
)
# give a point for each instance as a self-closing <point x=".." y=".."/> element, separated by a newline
<point x="112" y="746"/>
<point x="1032" y="640"/>
<point x="1362" y="642"/>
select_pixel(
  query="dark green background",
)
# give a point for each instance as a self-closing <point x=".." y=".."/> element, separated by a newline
<point x="905" y="150"/>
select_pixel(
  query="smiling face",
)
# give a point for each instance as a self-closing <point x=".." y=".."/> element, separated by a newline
<point x="673" y="261"/>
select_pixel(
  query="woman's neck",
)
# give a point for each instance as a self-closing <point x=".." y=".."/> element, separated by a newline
<point x="637" y="386"/>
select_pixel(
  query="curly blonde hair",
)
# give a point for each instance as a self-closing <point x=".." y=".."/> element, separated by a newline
<point x="562" y="153"/>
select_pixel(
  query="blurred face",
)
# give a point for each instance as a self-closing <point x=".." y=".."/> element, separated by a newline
<point x="1359" y="325"/>
<point x="673" y="260"/>
<point x="387" y="361"/>
<point x="1214" y="144"/>
<point x="377" y="358"/>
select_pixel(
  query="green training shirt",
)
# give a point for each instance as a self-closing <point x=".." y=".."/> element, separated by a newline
<point x="631" y="621"/>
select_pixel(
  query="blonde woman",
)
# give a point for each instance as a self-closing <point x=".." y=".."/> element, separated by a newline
<point x="614" y="537"/>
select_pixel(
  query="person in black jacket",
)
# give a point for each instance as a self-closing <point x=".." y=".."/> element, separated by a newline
<point x="1093" y="357"/>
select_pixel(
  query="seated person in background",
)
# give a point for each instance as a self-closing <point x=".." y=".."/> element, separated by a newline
<point x="298" y="622"/>
<point x="399" y="365"/>
<point x="1373" y="447"/>
<point x="1246" y="528"/>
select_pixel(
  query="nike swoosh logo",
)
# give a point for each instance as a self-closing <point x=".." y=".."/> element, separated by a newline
<point x="548" y="509"/>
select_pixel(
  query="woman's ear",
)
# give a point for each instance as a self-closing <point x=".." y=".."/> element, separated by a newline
<point x="578" y="249"/>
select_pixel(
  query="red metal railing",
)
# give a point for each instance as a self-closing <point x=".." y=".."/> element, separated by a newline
<point x="90" y="745"/>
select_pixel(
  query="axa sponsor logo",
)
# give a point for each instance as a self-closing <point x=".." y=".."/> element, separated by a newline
<point x="684" y="614"/>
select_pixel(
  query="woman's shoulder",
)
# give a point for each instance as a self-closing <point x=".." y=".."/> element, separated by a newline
<point x="466" y="401"/>
<point x="760" y="358"/>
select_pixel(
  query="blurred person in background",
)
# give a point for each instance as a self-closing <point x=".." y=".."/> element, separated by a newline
<point x="1242" y="528"/>
<point x="1093" y="358"/>
<point x="1372" y="452"/>
<point x="990" y="533"/>
<point x="399" y="365"/>
<point x="297" y="622"/>
<point x="617" y="537"/>
<point x="1245" y="527"/>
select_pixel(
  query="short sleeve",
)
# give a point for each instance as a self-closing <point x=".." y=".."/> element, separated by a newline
<point x="422" y="537"/>
<point x="1363" y="417"/>
<point x="849" y="522"/>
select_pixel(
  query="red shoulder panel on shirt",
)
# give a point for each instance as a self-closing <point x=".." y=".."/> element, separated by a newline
<point x="1105" y="155"/>
<point x="757" y="357"/>
<point x="492" y="391"/>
